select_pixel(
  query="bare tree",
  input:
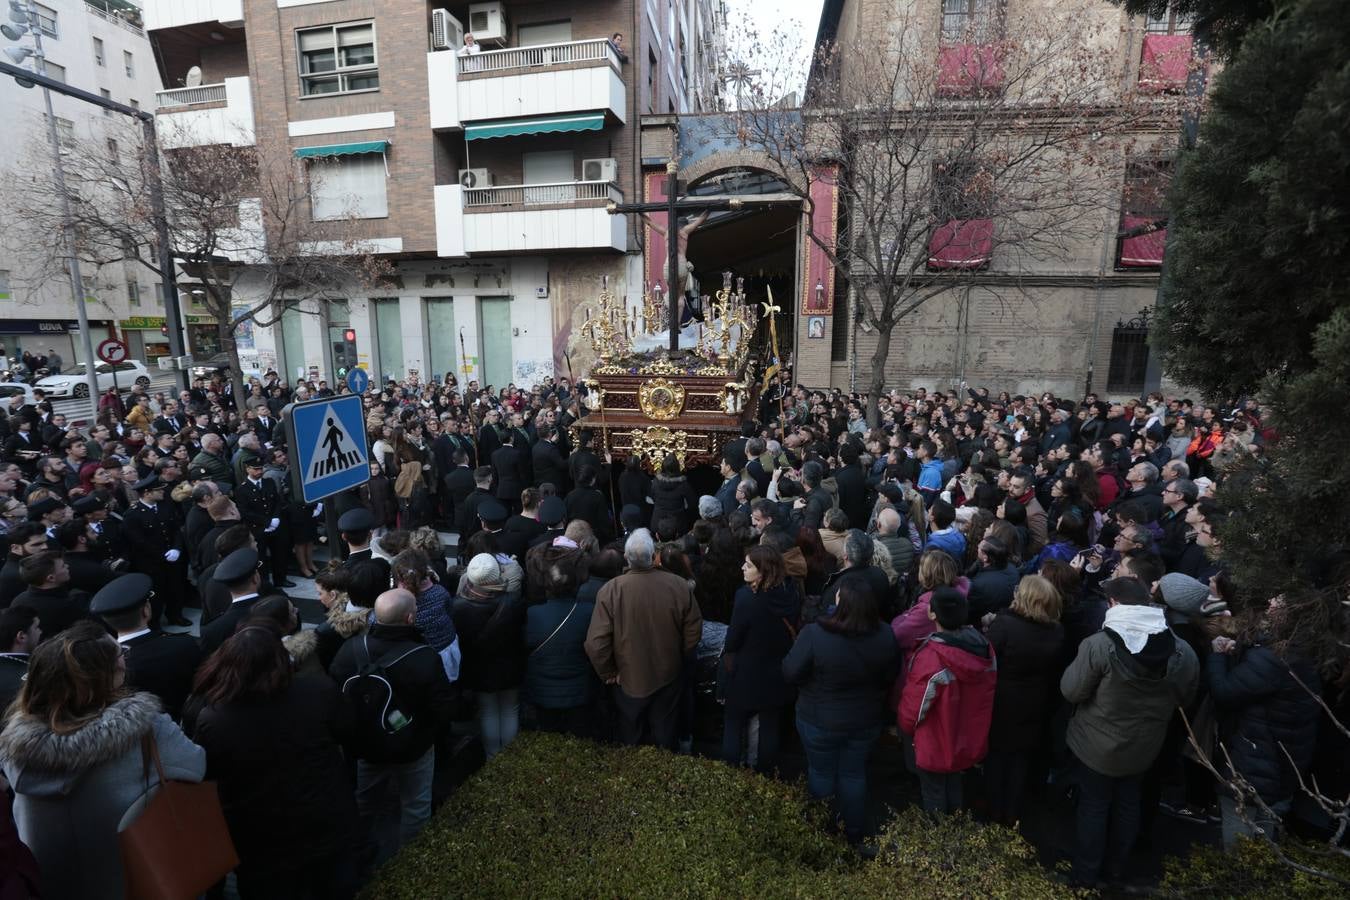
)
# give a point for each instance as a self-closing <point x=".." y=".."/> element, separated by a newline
<point x="997" y="145"/>
<point x="240" y="219"/>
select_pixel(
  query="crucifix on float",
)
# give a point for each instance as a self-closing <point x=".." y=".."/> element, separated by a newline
<point x="677" y="248"/>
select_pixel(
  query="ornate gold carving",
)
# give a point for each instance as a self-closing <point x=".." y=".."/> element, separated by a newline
<point x="661" y="366"/>
<point x="657" y="442"/>
<point x="661" y="399"/>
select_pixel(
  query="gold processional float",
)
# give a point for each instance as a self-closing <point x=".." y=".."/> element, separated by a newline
<point x="655" y="402"/>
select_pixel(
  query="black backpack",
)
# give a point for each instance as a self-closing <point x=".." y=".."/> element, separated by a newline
<point x="382" y="732"/>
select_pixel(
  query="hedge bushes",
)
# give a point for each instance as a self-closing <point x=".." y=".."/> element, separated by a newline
<point x="558" y="817"/>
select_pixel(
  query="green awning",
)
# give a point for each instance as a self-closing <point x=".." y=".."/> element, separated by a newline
<point x="342" y="149"/>
<point x="515" y="127"/>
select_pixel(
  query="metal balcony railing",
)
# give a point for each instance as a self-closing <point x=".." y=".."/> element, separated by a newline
<point x="516" y="58"/>
<point x="127" y="16"/>
<point x="187" y="96"/>
<point x="532" y="194"/>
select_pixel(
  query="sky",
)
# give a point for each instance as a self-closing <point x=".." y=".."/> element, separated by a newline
<point x="796" y="20"/>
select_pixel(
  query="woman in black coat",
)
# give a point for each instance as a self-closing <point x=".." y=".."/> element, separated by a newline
<point x="763" y="627"/>
<point x="272" y="744"/>
<point x="490" y="621"/>
<point x="672" y="496"/>
<point x="1027" y="639"/>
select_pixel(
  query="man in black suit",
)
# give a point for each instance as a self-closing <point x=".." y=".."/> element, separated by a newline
<point x="264" y="426"/>
<point x="458" y="486"/>
<point x="585" y="456"/>
<point x="756" y="449"/>
<point x="215" y="595"/>
<point x="851" y="483"/>
<point x="549" y="465"/>
<point x="355" y="526"/>
<point x="553" y="516"/>
<point x="238" y="572"/>
<point x="468" y="514"/>
<point x="464" y="439"/>
<point x="87" y="571"/>
<point x="24" y="448"/>
<point x="523" y="444"/>
<point x="198" y="520"/>
<point x="260" y="508"/>
<point x="49" y="591"/>
<point x="489" y="436"/>
<point x="171" y="419"/>
<point x="160" y="663"/>
<point x="585" y="502"/>
<point x="509" y="465"/>
<point x="152" y="531"/>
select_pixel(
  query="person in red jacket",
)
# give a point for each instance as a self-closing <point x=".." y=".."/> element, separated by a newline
<point x="948" y="701"/>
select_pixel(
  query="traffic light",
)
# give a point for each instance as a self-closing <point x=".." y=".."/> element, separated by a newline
<point x="344" y="352"/>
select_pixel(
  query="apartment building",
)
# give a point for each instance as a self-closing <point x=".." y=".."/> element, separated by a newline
<point x="1062" y="323"/>
<point x="100" y="46"/>
<point x="483" y="177"/>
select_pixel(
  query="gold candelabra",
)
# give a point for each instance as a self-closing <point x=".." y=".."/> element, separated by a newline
<point x="610" y="328"/>
<point x="653" y="310"/>
<point x="728" y="312"/>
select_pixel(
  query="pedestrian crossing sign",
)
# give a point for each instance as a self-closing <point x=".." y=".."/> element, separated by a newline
<point x="328" y="446"/>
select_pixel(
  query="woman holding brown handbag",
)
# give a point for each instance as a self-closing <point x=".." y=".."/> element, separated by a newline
<point x="73" y="751"/>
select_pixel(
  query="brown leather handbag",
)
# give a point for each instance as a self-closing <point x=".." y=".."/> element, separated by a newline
<point x="179" y="845"/>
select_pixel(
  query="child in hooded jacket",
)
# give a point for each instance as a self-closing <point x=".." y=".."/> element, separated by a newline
<point x="948" y="701"/>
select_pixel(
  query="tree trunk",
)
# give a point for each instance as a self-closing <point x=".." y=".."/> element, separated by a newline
<point x="228" y="346"/>
<point x="877" y="383"/>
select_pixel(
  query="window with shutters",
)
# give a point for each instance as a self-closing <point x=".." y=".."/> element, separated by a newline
<point x="348" y="187"/>
<point x="338" y="59"/>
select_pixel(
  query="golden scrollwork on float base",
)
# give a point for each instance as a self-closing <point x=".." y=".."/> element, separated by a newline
<point x="656" y="443"/>
<point x="661" y="399"/>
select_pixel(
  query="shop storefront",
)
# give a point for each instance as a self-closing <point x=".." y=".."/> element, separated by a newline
<point x="39" y="336"/>
<point x="147" y="337"/>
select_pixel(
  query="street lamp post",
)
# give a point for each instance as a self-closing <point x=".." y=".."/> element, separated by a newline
<point x="155" y="186"/>
<point x="67" y="223"/>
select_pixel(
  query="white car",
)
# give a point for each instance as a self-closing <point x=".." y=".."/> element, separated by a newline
<point x="10" y="389"/>
<point x="71" y="383"/>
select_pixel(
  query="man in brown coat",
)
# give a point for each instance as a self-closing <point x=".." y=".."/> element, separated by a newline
<point x="1022" y="487"/>
<point x="645" y="623"/>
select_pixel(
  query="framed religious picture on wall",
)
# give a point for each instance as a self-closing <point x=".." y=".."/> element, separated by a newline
<point x="815" y="326"/>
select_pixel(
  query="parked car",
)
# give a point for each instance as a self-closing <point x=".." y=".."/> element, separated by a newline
<point x="71" y="383"/>
<point x="9" y="388"/>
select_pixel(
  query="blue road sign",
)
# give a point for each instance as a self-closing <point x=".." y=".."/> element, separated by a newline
<point x="329" y="446"/>
<point x="358" y="380"/>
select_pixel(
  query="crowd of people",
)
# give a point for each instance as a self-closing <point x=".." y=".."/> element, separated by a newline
<point x="1024" y="590"/>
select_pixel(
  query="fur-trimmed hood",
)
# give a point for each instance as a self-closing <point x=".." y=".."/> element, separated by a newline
<point x="301" y="645"/>
<point x="50" y="763"/>
<point x="347" y="623"/>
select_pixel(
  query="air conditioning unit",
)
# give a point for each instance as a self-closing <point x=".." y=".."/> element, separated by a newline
<point x="488" y="23"/>
<point x="446" y="32"/>
<point x="599" y="170"/>
<point x="475" y="178"/>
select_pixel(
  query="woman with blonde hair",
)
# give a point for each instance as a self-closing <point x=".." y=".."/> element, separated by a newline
<point x="75" y="751"/>
<point x="936" y="569"/>
<point x="1027" y="638"/>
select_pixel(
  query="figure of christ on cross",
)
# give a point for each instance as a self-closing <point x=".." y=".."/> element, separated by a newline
<point x="678" y="271"/>
<point x="683" y="271"/>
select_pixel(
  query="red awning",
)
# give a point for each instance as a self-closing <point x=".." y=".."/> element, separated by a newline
<point x="1142" y="250"/>
<point x="961" y="244"/>
<point x="1165" y="62"/>
<point x="968" y="69"/>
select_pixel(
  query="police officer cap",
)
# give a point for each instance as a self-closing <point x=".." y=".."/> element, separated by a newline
<point x="254" y="462"/>
<point x="491" y="511"/>
<point x="237" y="566"/>
<point x="148" y="483"/>
<point x="43" y="507"/>
<point x="552" y="511"/>
<point x="87" y="504"/>
<point x="358" y="519"/>
<point x="123" y="592"/>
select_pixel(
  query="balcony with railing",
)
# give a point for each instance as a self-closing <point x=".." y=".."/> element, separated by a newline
<point x="117" y="12"/>
<point x="160" y="14"/>
<point x="541" y="80"/>
<point x="519" y="218"/>
<point x="206" y="114"/>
